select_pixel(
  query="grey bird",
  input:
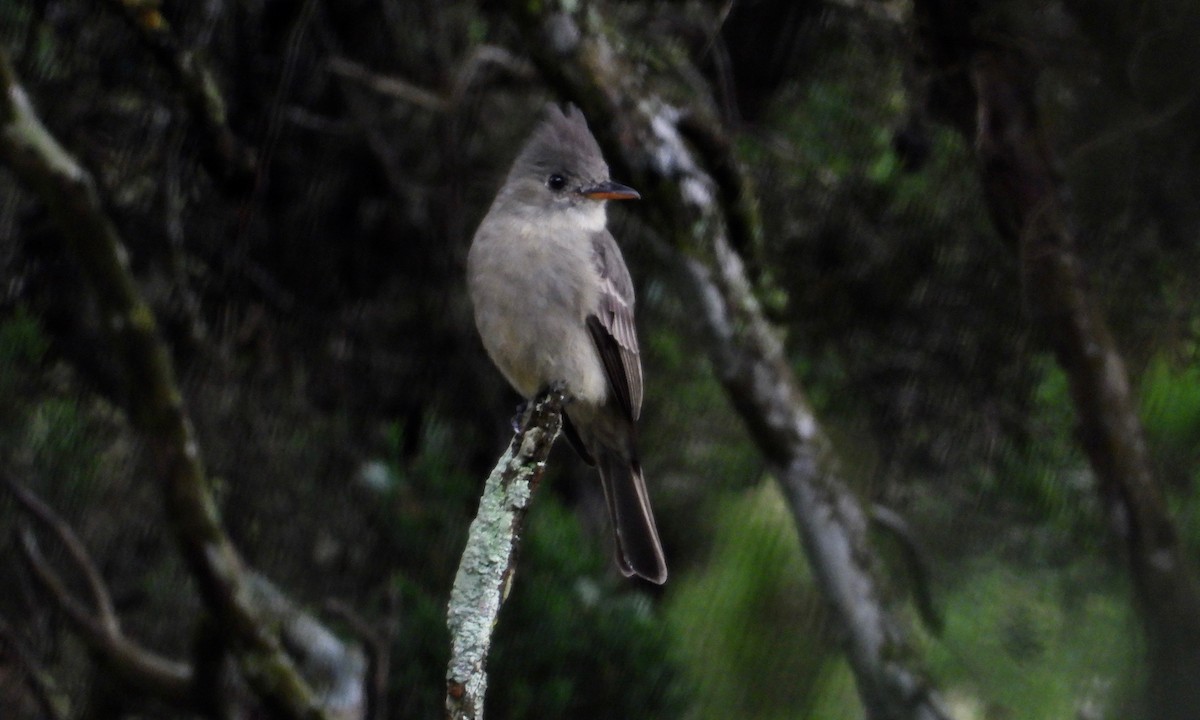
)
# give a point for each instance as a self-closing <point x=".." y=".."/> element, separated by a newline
<point x="554" y="307"/>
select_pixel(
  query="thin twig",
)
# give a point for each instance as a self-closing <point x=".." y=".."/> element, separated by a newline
<point x="916" y="560"/>
<point x="394" y="87"/>
<point x="79" y="554"/>
<point x="433" y="101"/>
<point x="378" y="644"/>
<point x="166" y="680"/>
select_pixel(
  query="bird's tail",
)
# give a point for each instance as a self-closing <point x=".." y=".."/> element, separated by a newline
<point x="639" y="551"/>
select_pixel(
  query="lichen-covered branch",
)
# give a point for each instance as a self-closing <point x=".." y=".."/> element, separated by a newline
<point x="832" y="522"/>
<point x="485" y="572"/>
<point x="696" y="201"/>
<point x="154" y="400"/>
<point x="986" y="90"/>
<point x="735" y="188"/>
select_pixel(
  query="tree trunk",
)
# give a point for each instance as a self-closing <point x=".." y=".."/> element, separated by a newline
<point x="986" y="91"/>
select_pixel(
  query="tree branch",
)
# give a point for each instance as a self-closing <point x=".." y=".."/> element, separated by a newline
<point x="916" y="561"/>
<point x="155" y="402"/>
<point x="485" y="573"/>
<point x="378" y="643"/>
<point x="147" y="671"/>
<point x="389" y="85"/>
<point x="229" y="160"/>
<point x="696" y="210"/>
<point x="79" y="554"/>
<point x="467" y="72"/>
<point x="832" y="523"/>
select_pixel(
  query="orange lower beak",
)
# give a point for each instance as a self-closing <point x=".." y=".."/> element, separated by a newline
<point x="609" y="190"/>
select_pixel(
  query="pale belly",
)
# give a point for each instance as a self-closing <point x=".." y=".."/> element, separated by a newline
<point x="538" y="353"/>
<point x="530" y="312"/>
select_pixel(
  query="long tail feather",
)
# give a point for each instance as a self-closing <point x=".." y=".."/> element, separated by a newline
<point x="639" y="551"/>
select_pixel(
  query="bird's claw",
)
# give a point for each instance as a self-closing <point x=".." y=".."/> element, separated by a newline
<point x="558" y="387"/>
<point x="519" y="415"/>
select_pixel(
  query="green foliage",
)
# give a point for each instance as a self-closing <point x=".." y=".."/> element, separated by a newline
<point x="61" y="441"/>
<point x="55" y="433"/>
<point x="901" y="303"/>
<point x="427" y="506"/>
<point x="1048" y="475"/>
<point x="903" y="313"/>
<point x="422" y="649"/>
<point x="21" y="344"/>
<point x="423" y="511"/>
<point x="572" y="644"/>
<point x="1171" y="413"/>
<point x="22" y="350"/>
<point x="686" y="429"/>
<point x="1171" y="416"/>
<point x="1038" y="621"/>
<point x="1035" y="643"/>
<point x="749" y="623"/>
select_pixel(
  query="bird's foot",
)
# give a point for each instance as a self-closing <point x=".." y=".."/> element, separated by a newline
<point x="558" y="391"/>
<point x="558" y="387"/>
<point x="519" y="415"/>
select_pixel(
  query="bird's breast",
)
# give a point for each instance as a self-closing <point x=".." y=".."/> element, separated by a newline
<point x="532" y="286"/>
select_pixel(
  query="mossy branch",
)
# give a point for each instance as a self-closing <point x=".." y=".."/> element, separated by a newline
<point x="485" y="573"/>
<point x="155" y="402"/>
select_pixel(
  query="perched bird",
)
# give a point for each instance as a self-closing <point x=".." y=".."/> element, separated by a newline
<point x="554" y="306"/>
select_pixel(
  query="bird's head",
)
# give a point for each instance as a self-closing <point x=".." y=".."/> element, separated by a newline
<point x="561" y="168"/>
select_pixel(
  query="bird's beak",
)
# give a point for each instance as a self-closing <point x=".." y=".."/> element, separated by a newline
<point x="609" y="190"/>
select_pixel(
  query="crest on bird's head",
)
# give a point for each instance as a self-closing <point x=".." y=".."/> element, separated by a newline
<point x="562" y="143"/>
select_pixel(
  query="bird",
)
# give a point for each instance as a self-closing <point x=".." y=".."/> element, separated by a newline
<point x="554" y="306"/>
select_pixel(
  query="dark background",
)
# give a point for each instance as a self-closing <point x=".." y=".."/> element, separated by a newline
<point x="316" y="311"/>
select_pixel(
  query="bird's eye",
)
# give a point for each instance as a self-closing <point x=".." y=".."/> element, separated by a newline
<point x="556" y="182"/>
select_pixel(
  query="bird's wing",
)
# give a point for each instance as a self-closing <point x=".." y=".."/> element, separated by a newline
<point x="612" y="327"/>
